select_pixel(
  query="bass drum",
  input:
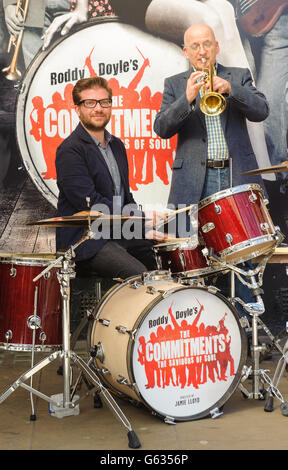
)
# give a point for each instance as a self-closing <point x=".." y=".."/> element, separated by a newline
<point x="177" y="349"/>
<point x="133" y="63"/>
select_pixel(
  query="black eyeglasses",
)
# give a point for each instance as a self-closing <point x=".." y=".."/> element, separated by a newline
<point x="104" y="103"/>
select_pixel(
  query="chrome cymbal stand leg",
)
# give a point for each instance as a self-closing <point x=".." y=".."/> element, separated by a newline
<point x="259" y="376"/>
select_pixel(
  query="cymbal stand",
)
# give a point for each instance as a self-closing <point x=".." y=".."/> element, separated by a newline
<point x="259" y="376"/>
<point x="65" y="404"/>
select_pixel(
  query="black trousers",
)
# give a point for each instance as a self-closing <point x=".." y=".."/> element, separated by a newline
<point x="121" y="259"/>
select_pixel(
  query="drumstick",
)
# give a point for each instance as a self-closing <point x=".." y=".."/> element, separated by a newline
<point x="172" y="213"/>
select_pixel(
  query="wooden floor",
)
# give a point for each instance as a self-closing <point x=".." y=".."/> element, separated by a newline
<point x="20" y="203"/>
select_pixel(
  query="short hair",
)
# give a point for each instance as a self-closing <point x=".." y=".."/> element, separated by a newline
<point x="86" y="83"/>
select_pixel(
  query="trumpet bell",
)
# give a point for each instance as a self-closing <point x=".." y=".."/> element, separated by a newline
<point x="212" y="103"/>
<point x="12" y="74"/>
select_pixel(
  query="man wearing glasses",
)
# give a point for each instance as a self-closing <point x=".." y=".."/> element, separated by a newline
<point x="91" y="163"/>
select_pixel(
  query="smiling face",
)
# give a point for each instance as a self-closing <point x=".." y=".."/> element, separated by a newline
<point x="200" y="43"/>
<point x="94" y="119"/>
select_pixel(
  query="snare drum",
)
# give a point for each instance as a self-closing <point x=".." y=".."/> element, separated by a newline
<point x="27" y="306"/>
<point x="236" y="223"/>
<point x="183" y="259"/>
<point x="179" y="350"/>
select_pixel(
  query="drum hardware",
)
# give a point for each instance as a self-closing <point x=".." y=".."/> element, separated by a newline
<point x="151" y="290"/>
<point x="104" y="322"/>
<point x="124" y="330"/>
<point x="64" y="404"/>
<point x="13" y="272"/>
<point x="208" y="227"/>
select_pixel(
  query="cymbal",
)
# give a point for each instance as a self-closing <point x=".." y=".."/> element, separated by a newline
<point x="82" y="218"/>
<point x="270" y="169"/>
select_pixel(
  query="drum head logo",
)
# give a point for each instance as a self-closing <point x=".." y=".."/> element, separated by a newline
<point x="186" y="358"/>
<point x="135" y="69"/>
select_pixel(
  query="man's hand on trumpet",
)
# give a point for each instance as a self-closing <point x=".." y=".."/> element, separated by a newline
<point x="14" y="22"/>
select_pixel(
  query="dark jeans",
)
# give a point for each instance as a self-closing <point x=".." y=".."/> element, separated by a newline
<point x="121" y="259"/>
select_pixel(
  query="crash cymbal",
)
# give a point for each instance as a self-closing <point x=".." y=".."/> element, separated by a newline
<point x="83" y="219"/>
<point x="270" y="169"/>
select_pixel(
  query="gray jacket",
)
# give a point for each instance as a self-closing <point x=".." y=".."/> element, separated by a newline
<point x="177" y="116"/>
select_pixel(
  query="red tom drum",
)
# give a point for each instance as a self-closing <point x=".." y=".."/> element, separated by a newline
<point x="27" y="306"/>
<point x="236" y="223"/>
<point x="182" y="258"/>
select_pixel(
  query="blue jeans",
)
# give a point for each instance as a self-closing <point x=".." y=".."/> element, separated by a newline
<point x="271" y="59"/>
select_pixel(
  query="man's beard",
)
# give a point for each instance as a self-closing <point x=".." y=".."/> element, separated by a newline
<point x="91" y="126"/>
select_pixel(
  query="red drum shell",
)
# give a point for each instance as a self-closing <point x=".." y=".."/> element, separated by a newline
<point x="17" y="291"/>
<point x="236" y="223"/>
<point x="179" y="257"/>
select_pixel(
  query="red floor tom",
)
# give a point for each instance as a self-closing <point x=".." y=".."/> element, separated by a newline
<point x="27" y="306"/>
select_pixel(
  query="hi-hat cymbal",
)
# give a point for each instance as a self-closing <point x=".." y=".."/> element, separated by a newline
<point x="82" y="218"/>
<point x="270" y="169"/>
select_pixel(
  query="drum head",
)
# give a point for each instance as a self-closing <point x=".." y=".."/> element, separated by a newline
<point x="188" y="354"/>
<point x="134" y="64"/>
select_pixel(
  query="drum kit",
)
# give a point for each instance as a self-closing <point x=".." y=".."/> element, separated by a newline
<point x="167" y="339"/>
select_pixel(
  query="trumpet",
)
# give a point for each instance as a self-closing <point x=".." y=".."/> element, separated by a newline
<point x="211" y="103"/>
<point x="11" y="72"/>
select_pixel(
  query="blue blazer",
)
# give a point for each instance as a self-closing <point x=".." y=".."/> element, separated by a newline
<point x="177" y="116"/>
<point x="81" y="172"/>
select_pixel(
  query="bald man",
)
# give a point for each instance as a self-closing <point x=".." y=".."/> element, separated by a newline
<point x="212" y="151"/>
<point x="206" y="162"/>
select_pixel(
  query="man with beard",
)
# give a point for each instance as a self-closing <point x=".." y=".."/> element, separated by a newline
<point x="91" y="163"/>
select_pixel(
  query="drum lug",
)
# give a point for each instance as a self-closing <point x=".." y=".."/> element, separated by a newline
<point x="8" y="335"/>
<point x="166" y="293"/>
<point x="104" y="322"/>
<point x="169" y="420"/>
<point x="124" y="330"/>
<point x="208" y="227"/>
<point x="105" y="371"/>
<point x="158" y="262"/>
<point x="34" y="322"/>
<point x="229" y="238"/>
<point x="13" y="272"/>
<point x="264" y="227"/>
<point x="135" y="285"/>
<point x="123" y="381"/>
<point x="183" y="261"/>
<point x="99" y="352"/>
<point x="215" y="413"/>
<point x="252" y="197"/>
<point x="217" y="208"/>
<point x="42" y="337"/>
<point x="213" y="289"/>
<point x="151" y="290"/>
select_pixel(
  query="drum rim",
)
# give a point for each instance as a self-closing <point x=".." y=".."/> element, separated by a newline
<point x="178" y="245"/>
<point x="21" y="259"/>
<point x="235" y="382"/>
<point x="21" y="101"/>
<point x="229" y="192"/>
<point x="253" y="242"/>
<point x="29" y="347"/>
